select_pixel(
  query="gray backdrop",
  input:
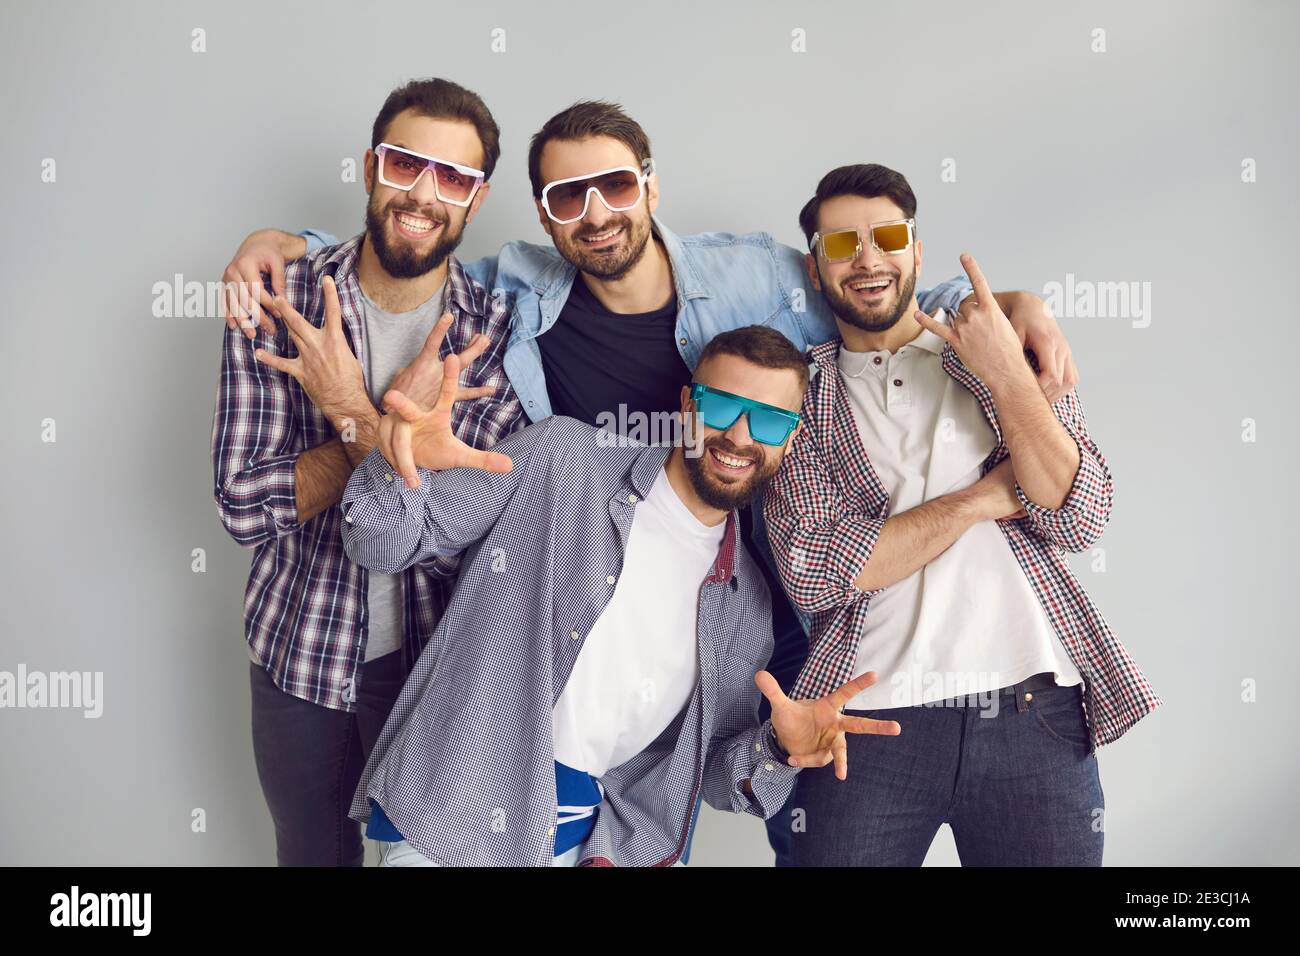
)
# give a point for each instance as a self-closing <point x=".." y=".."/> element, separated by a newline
<point x="1165" y="158"/>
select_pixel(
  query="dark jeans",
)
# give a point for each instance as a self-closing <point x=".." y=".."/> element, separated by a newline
<point x="1018" y="789"/>
<point x="310" y="758"/>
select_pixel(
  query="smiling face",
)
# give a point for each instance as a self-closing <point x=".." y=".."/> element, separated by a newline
<point x="603" y="244"/>
<point x="734" y="468"/>
<point x="873" y="290"/>
<point x="413" y="232"/>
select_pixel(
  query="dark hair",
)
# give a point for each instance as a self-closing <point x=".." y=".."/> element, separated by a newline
<point x="760" y="344"/>
<point x="442" y="99"/>
<point x="579" y="121"/>
<point x="867" y="180"/>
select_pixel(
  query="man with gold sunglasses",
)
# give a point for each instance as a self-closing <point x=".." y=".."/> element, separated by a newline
<point x="921" y="518"/>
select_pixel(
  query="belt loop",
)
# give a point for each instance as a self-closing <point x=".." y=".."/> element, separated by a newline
<point x="1022" y="704"/>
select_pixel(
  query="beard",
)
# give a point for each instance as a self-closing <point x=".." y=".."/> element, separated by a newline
<point x="613" y="262"/>
<point x="735" y="494"/>
<point x="874" y="318"/>
<point x="399" y="259"/>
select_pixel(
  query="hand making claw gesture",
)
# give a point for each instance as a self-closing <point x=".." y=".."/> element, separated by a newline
<point x="980" y="333"/>
<point x="413" y="437"/>
<point x="812" y="731"/>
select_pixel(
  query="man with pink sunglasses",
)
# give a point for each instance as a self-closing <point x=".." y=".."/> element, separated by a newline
<point x="330" y="643"/>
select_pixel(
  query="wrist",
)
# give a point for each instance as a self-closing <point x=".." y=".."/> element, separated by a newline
<point x="774" y="741"/>
<point x="1014" y="380"/>
<point x="972" y="505"/>
<point x="292" y="246"/>
<point x="358" y="431"/>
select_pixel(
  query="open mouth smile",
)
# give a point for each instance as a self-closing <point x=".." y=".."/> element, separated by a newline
<point x="414" y="227"/>
<point x="602" y="239"/>
<point x="730" y="464"/>
<point x="870" y="289"/>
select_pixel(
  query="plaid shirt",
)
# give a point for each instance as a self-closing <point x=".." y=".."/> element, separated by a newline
<point x="465" y="766"/>
<point x="305" y="612"/>
<point x="826" y="507"/>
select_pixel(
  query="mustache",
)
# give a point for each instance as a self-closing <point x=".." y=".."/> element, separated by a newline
<point x="622" y="222"/>
<point x="867" y="276"/>
<point x="754" y="455"/>
<point x="438" y="218"/>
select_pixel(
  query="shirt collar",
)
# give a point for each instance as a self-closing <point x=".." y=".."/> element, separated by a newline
<point x="928" y="340"/>
<point x="826" y="355"/>
<point x="645" y="470"/>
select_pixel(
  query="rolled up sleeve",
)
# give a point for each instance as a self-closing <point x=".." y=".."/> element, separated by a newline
<point x="1083" y="515"/>
<point x="819" y="546"/>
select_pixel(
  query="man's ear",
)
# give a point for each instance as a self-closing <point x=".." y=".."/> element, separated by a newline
<point x="916" y="258"/>
<point x="810" y="263"/>
<point x="652" y="192"/>
<point x="368" y="170"/>
<point x="544" y="219"/>
<point x="477" y="201"/>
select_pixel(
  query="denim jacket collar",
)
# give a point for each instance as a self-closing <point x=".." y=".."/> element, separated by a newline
<point x="553" y="283"/>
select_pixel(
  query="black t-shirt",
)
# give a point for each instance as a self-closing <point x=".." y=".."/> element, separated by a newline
<point x="596" y="360"/>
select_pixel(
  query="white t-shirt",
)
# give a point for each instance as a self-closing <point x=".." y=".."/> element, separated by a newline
<point x="639" y="664"/>
<point x="969" y="621"/>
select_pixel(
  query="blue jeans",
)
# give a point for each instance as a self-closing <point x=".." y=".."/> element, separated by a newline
<point x="1018" y="789"/>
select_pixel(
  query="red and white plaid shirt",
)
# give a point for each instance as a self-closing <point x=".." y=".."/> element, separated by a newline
<point x="826" y="507"/>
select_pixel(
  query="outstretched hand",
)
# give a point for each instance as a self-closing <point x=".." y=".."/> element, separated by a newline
<point x="812" y="731"/>
<point x="412" y="437"/>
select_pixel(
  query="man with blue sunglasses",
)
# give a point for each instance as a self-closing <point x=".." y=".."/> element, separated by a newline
<point x="599" y="667"/>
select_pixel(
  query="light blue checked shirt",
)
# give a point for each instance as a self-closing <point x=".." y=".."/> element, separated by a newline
<point x="465" y="765"/>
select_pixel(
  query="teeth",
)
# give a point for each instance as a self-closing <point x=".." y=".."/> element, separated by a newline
<point x="415" y="225"/>
<point x="873" y="284"/>
<point x="728" y="460"/>
<point x="603" y="236"/>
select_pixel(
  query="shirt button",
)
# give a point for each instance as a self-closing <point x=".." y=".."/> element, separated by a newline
<point x="573" y="634"/>
<point x="1028" y="697"/>
<point x="758" y="747"/>
<point x="876" y="360"/>
<point x="898" y="382"/>
<point x="348" y="519"/>
<point x="683" y="341"/>
<point x="767" y="766"/>
<point x="551" y="832"/>
<point x="388" y="476"/>
<point x="631" y="499"/>
<point x="610" y="579"/>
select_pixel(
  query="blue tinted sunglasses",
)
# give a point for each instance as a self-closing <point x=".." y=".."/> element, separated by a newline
<point x="767" y="423"/>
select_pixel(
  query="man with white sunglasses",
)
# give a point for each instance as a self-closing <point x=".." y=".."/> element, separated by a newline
<point x="330" y="643"/>
<point x="614" y="347"/>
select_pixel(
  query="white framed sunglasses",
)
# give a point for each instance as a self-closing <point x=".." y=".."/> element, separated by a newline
<point x="402" y="168"/>
<point x="888" y="238"/>
<point x="620" y="189"/>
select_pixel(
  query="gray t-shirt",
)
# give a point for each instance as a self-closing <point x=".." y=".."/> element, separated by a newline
<point x="393" y="341"/>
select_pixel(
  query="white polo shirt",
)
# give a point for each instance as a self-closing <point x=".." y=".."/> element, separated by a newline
<point x="969" y="621"/>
